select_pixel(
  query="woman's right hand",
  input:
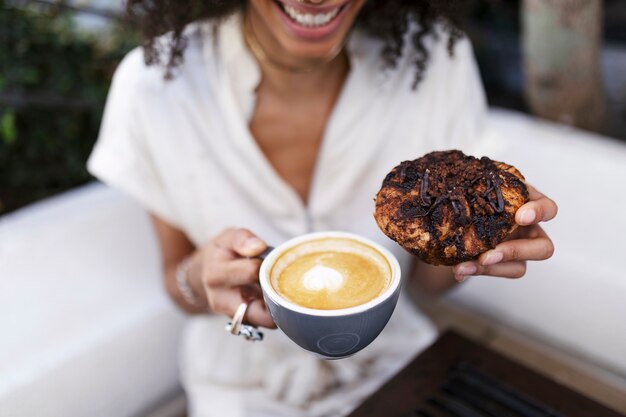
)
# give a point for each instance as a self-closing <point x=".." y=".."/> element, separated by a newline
<point x="226" y="265"/>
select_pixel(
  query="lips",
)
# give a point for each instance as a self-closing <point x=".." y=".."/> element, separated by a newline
<point x="310" y="19"/>
<point x="310" y="23"/>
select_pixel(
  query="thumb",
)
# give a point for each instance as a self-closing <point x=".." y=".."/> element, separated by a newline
<point x="241" y="241"/>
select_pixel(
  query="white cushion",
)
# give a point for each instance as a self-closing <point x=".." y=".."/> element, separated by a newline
<point x="86" y="326"/>
<point x="577" y="299"/>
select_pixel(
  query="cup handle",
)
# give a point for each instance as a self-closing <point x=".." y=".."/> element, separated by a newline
<point x="264" y="254"/>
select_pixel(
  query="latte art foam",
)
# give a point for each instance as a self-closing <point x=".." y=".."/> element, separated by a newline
<point x="330" y="274"/>
<point x="322" y="278"/>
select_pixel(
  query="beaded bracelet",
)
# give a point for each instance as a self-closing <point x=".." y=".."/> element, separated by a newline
<point x="182" y="283"/>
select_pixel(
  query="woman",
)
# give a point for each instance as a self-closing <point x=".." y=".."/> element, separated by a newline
<point x="276" y="118"/>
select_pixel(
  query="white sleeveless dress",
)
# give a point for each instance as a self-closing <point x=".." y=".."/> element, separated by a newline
<point x="182" y="148"/>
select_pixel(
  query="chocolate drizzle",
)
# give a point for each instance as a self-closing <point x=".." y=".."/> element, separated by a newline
<point x="426" y="201"/>
<point x="493" y="190"/>
<point x="487" y="176"/>
<point x="407" y="174"/>
<point x="441" y="199"/>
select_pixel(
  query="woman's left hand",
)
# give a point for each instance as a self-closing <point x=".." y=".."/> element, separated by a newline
<point x="528" y="243"/>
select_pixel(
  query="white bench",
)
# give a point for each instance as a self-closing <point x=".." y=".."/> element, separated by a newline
<point x="87" y="329"/>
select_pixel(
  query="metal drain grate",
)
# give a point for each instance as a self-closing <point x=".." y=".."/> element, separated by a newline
<point x="470" y="392"/>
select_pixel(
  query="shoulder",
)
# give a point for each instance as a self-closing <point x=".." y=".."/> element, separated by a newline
<point x="136" y="77"/>
<point x="133" y="70"/>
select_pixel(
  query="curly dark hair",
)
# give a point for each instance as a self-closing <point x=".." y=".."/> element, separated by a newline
<point x="386" y="19"/>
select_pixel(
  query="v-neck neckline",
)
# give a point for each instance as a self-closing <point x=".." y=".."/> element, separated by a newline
<point x="248" y="67"/>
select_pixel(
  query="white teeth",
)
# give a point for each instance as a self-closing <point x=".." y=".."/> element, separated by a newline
<point x="310" y="20"/>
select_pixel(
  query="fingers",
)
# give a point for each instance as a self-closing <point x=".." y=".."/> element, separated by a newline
<point x="229" y="268"/>
<point x="223" y="263"/>
<point x="226" y="301"/>
<point x="508" y="259"/>
<point x="259" y="315"/>
<point x="240" y="241"/>
<point x="232" y="273"/>
<point x="539" y="209"/>
<point x="515" y="269"/>
<point x="537" y="248"/>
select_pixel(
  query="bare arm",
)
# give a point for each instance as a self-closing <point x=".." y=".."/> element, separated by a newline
<point x="175" y="247"/>
<point x="430" y="280"/>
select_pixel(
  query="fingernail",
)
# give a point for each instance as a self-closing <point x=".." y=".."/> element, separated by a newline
<point x="253" y="243"/>
<point x="467" y="269"/>
<point x="459" y="278"/>
<point x="528" y="216"/>
<point x="492" y="258"/>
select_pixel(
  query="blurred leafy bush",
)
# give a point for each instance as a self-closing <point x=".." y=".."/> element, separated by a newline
<point x="53" y="84"/>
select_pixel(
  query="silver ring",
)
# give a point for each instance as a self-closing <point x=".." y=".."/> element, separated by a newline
<point x="237" y="328"/>
<point x="237" y="321"/>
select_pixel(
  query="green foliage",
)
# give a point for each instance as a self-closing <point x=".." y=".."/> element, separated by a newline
<point x="53" y="84"/>
<point x="7" y="128"/>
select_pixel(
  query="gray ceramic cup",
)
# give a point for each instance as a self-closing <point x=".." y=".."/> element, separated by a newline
<point x="331" y="334"/>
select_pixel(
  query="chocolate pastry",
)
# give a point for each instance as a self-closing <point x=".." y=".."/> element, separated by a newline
<point x="447" y="207"/>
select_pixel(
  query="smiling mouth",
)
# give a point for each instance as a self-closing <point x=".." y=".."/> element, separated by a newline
<point x="310" y="20"/>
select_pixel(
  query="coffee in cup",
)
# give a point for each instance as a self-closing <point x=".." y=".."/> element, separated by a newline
<point x="330" y="274"/>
